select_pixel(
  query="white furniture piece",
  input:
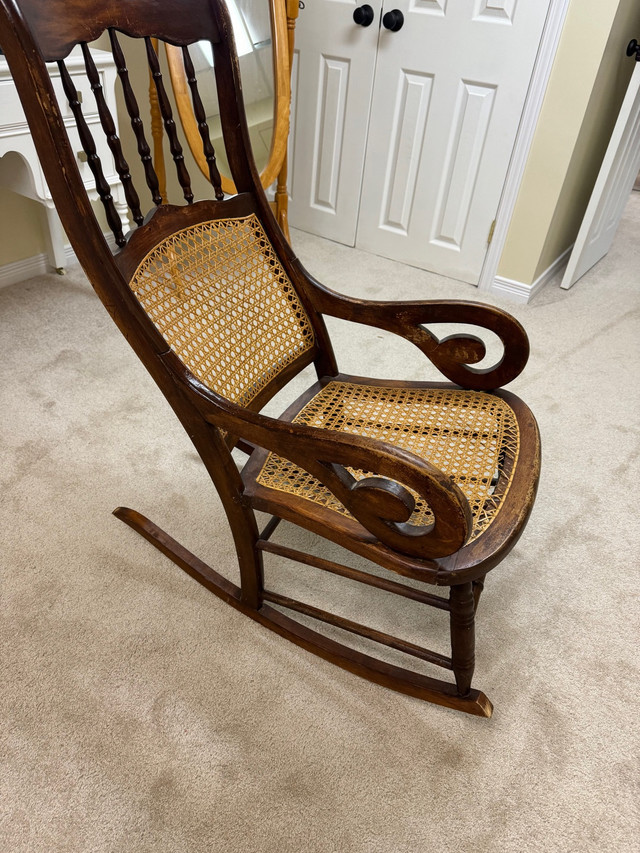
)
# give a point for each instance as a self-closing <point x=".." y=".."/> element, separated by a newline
<point x="20" y="168"/>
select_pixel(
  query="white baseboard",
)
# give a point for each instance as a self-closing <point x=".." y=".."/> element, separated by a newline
<point x="39" y="265"/>
<point x="520" y="292"/>
<point x="23" y="270"/>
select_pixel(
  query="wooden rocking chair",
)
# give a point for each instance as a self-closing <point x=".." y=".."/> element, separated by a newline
<point x="433" y="481"/>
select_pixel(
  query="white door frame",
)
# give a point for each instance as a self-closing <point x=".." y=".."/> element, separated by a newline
<point x="531" y="113"/>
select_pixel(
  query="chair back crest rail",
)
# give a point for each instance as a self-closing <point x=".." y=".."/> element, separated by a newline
<point x="58" y="26"/>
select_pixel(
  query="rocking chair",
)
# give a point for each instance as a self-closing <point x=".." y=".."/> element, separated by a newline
<point x="430" y="481"/>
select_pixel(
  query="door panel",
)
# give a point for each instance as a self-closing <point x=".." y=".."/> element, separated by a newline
<point x="431" y="7"/>
<point x="329" y="127"/>
<point x="462" y="160"/>
<point x="334" y="77"/>
<point x="495" y="11"/>
<point x="404" y="157"/>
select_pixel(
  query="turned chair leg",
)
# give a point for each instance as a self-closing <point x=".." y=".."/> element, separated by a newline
<point x="462" y="620"/>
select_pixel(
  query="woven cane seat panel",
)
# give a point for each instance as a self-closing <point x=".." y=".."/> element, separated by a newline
<point x="221" y="299"/>
<point x="470" y="435"/>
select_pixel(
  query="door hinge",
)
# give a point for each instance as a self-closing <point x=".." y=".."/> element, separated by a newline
<point x="491" y="230"/>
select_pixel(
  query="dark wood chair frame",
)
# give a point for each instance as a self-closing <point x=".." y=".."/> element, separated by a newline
<point x="33" y="32"/>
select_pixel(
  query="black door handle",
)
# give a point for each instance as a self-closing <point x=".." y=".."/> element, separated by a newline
<point x="393" y="20"/>
<point x="363" y="15"/>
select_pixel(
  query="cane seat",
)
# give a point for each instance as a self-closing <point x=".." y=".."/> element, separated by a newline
<point x="471" y="436"/>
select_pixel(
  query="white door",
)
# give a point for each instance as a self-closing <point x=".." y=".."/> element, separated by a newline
<point x="611" y="191"/>
<point x="447" y="97"/>
<point x="332" y="81"/>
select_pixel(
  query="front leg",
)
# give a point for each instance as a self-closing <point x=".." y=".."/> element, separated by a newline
<point x="462" y="620"/>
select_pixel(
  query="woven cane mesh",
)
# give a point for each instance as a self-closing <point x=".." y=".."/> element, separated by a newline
<point x="471" y="436"/>
<point x="221" y="299"/>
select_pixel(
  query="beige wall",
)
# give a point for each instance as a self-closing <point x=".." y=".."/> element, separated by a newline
<point x="23" y="222"/>
<point x="586" y="88"/>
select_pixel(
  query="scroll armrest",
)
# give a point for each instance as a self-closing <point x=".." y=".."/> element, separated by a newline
<point x="382" y="503"/>
<point x="452" y="355"/>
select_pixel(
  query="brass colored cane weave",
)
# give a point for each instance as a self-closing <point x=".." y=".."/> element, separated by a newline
<point x="221" y="299"/>
<point x="470" y="435"/>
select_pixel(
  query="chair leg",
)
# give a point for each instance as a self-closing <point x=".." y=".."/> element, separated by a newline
<point x="462" y="621"/>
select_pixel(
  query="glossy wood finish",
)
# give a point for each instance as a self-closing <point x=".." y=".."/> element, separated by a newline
<point x="109" y="127"/>
<point x="58" y="25"/>
<point x="376" y="529"/>
<point x="166" y="112"/>
<point x="157" y="133"/>
<point x="353" y="574"/>
<point x="89" y="147"/>
<point x="462" y="618"/>
<point x="454" y="355"/>
<point x="282" y="193"/>
<point x="203" y="128"/>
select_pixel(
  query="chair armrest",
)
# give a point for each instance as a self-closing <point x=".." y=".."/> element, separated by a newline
<point x="382" y="503"/>
<point x="452" y="355"/>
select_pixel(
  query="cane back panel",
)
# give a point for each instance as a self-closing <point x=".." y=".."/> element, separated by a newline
<point x="471" y="436"/>
<point x="223" y="302"/>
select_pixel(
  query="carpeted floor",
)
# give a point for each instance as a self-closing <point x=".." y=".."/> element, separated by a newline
<point x="140" y="714"/>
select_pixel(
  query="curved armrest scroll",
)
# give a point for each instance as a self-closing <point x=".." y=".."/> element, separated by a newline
<point x="452" y="355"/>
<point x="380" y="503"/>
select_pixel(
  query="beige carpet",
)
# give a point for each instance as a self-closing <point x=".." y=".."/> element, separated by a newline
<point x="140" y="713"/>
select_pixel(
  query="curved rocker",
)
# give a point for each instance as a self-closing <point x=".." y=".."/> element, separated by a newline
<point x="432" y="481"/>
